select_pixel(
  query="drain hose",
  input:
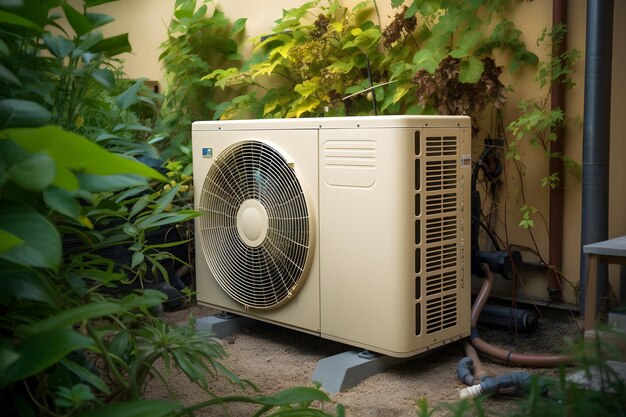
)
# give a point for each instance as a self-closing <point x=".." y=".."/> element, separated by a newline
<point x="524" y="359"/>
<point x="514" y="383"/>
<point x="471" y="371"/>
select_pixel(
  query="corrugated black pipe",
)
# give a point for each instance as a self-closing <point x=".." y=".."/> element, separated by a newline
<point x="596" y="138"/>
<point x="555" y="230"/>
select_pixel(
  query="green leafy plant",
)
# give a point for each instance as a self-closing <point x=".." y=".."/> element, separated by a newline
<point x="196" y="44"/>
<point x="71" y="343"/>
<point x="434" y="57"/>
<point x="537" y="122"/>
<point x="315" y="55"/>
<point x="45" y="87"/>
<point x="67" y="348"/>
<point x="71" y="78"/>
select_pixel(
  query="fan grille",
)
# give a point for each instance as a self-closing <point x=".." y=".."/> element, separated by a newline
<point x="255" y="228"/>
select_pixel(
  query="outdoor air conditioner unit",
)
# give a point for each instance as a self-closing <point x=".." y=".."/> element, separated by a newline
<point x="356" y="229"/>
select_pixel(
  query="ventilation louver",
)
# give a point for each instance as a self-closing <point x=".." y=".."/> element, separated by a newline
<point x="255" y="230"/>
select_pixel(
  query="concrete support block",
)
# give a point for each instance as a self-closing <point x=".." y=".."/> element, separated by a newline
<point x="340" y="372"/>
<point x="223" y="324"/>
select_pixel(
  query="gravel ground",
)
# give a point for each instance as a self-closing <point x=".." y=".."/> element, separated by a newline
<point x="275" y="358"/>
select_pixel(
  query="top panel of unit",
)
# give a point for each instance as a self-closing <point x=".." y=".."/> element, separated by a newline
<point x="360" y="122"/>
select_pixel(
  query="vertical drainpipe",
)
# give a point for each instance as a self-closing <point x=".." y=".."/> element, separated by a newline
<point x="596" y="138"/>
<point x="555" y="231"/>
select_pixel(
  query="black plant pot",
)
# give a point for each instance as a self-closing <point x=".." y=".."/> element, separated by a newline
<point x="180" y="276"/>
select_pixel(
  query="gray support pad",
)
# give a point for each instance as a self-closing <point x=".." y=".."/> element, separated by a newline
<point x="223" y="324"/>
<point x="340" y="372"/>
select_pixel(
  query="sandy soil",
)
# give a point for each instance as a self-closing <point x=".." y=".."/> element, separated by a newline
<point x="274" y="358"/>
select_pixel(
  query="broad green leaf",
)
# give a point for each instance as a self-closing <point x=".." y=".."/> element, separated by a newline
<point x="77" y="20"/>
<point x="340" y="66"/>
<point x="77" y="394"/>
<point x="162" y="219"/>
<point x="139" y="205"/>
<point x="86" y="375"/>
<point x="137" y="408"/>
<point x="303" y="105"/>
<point x="27" y="285"/>
<point x="410" y="12"/>
<point x="99" y="19"/>
<point x="58" y="46"/>
<point x="131" y="193"/>
<point x="189" y="367"/>
<point x="34" y="173"/>
<point x="426" y="59"/>
<point x="89" y="41"/>
<point x="62" y="201"/>
<point x="8" y="355"/>
<point x="8" y="241"/>
<point x="308" y="87"/>
<point x="282" y="37"/>
<point x="114" y="45"/>
<point x="100" y="183"/>
<point x="471" y="70"/>
<point x="40" y="351"/>
<point x="120" y="342"/>
<point x="7" y="76"/>
<point x="148" y="298"/>
<point x="401" y="91"/>
<point x="129" y="96"/>
<point x="136" y="259"/>
<point x="468" y="41"/>
<point x="104" y="77"/>
<point x="70" y="317"/>
<point x="42" y="243"/>
<point x="12" y="19"/>
<point x="74" y="153"/>
<point x="239" y="25"/>
<point x="22" y="113"/>
<point x="396" y="3"/>
<point x="165" y="200"/>
<point x="4" y="49"/>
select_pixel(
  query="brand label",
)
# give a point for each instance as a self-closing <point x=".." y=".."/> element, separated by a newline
<point x="207" y="152"/>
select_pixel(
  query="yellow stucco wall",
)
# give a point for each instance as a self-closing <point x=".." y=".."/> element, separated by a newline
<point x="146" y="22"/>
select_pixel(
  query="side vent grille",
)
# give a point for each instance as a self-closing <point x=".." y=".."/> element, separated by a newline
<point x="441" y="146"/>
<point x="440" y="229"/>
<point x="440" y="257"/>
<point x="437" y="211"/>
<point x="440" y="204"/>
<point x="441" y="313"/>
<point x="441" y="175"/>
<point x="439" y="283"/>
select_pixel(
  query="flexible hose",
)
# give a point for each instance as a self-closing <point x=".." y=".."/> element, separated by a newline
<point x="513" y="383"/>
<point x="464" y="371"/>
<point x="478" y="370"/>
<point x="524" y="359"/>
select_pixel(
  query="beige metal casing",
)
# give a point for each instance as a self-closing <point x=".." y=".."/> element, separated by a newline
<point x="390" y="205"/>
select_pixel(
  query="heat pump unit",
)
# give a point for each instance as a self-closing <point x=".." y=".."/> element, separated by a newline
<point x="356" y="229"/>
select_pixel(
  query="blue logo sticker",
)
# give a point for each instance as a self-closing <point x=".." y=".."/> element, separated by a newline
<point x="207" y="152"/>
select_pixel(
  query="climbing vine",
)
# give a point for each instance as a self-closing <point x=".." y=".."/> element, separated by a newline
<point x="537" y="121"/>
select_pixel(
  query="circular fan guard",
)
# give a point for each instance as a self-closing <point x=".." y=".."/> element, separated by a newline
<point x="255" y="229"/>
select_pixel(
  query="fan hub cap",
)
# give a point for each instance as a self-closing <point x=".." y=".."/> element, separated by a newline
<point x="252" y="222"/>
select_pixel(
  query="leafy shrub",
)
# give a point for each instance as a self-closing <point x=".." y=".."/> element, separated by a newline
<point x="68" y="345"/>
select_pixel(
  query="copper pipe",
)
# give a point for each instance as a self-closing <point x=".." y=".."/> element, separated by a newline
<point x="478" y="370"/>
<point x="525" y="359"/>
